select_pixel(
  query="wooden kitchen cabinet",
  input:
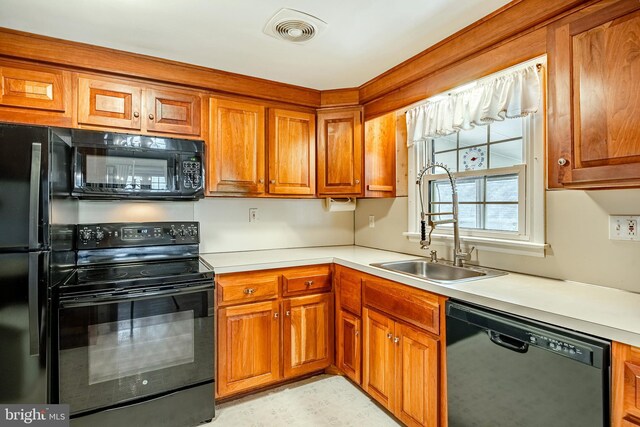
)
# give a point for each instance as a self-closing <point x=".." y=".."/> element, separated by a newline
<point x="248" y="346"/>
<point x="308" y="334"/>
<point x="340" y="152"/>
<point x="108" y="102"/>
<point x="349" y="345"/>
<point x="594" y="140"/>
<point x="380" y="156"/>
<point x="292" y="152"/>
<point x="625" y="385"/>
<point x="172" y="112"/>
<point x="236" y="147"/>
<point x="401" y="369"/>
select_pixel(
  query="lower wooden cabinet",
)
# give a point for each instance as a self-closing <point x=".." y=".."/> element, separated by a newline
<point x="401" y="369"/>
<point x="625" y="385"/>
<point x="308" y="337"/>
<point x="249" y="346"/>
<point x="349" y="343"/>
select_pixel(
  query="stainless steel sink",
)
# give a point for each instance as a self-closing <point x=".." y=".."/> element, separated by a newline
<point x="439" y="272"/>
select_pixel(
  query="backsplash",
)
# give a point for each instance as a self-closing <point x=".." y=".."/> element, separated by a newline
<point x="577" y="230"/>
<point x="225" y="226"/>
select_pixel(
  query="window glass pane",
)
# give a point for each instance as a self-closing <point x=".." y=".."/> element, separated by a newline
<point x="503" y="188"/>
<point x="506" y="154"/>
<point x="441" y="191"/>
<point x="443" y="143"/>
<point x="502" y="217"/>
<point x="441" y="208"/>
<point x="469" y="215"/>
<point x="475" y="136"/>
<point x="449" y="159"/>
<point x="474" y="158"/>
<point x="469" y="190"/>
<point x="507" y="129"/>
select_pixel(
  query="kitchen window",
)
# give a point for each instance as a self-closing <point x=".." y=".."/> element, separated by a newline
<point x="499" y="173"/>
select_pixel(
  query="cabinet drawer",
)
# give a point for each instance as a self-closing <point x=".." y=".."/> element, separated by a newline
<point x="247" y="287"/>
<point x="416" y="307"/>
<point x="306" y="281"/>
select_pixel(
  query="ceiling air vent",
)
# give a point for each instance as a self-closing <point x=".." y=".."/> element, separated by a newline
<point x="294" y="26"/>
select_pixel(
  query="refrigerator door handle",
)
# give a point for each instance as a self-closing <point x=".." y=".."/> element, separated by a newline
<point x="34" y="304"/>
<point x="34" y="195"/>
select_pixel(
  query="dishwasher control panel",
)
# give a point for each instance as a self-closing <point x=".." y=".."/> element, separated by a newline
<point x="565" y="348"/>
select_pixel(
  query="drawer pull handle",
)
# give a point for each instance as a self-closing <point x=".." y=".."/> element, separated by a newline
<point x="308" y="282"/>
<point x="389" y="335"/>
<point x="249" y="291"/>
<point x="396" y="340"/>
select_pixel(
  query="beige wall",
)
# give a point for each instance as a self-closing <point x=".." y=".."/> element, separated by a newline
<point x="577" y="230"/>
<point x="225" y="223"/>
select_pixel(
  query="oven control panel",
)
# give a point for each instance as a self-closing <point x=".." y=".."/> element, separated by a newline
<point x="116" y="235"/>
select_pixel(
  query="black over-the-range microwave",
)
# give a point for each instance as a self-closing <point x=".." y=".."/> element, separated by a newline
<point x="109" y="165"/>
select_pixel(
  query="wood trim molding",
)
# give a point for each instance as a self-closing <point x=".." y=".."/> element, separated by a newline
<point x="340" y="98"/>
<point x="81" y="56"/>
<point x="506" y="22"/>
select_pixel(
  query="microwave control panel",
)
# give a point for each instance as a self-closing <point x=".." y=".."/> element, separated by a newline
<point x="191" y="173"/>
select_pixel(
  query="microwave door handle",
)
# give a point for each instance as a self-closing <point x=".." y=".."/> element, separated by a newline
<point x="176" y="168"/>
<point x="34" y="195"/>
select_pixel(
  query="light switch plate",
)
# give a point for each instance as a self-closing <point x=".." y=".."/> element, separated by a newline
<point x="623" y="227"/>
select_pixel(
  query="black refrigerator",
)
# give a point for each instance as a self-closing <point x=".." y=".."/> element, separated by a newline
<point x="34" y="206"/>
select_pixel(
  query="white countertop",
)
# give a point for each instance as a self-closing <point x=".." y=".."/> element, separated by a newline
<point x="605" y="312"/>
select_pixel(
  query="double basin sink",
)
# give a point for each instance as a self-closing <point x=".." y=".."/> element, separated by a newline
<point x="439" y="272"/>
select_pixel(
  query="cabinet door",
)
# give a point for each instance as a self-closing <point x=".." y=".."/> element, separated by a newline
<point x="172" y="112"/>
<point x="308" y="337"/>
<point x="108" y="103"/>
<point x="236" y="147"/>
<point x="340" y="152"/>
<point x="350" y="290"/>
<point x="349" y="343"/>
<point x="380" y="156"/>
<point x="594" y="140"/>
<point x="416" y="382"/>
<point x="248" y="346"/>
<point x="379" y="358"/>
<point x="625" y="385"/>
<point x="36" y="88"/>
<point x="292" y="152"/>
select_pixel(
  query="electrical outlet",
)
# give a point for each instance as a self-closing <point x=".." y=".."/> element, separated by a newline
<point x="253" y="214"/>
<point x="623" y="227"/>
<point x="372" y="221"/>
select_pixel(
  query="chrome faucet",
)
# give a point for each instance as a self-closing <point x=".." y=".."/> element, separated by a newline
<point x="425" y="240"/>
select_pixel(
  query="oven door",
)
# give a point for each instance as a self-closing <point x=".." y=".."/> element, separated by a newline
<point x="106" y="172"/>
<point x="116" y="348"/>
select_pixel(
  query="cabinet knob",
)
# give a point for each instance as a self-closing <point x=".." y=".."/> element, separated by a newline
<point x="273" y="181"/>
<point x="136" y="114"/>
<point x="287" y="313"/>
<point x="357" y="333"/>
<point x="261" y="181"/>
<point x="357" y="181"/>
<point x="396" y="340"/>
<point x="389" y="335"/>
<point x="562" y="161"/>
<point x="249" y="291"/>
<point x="308" y="283"/>
<point x="150" y="116"/>
<point x="275" y="315"/>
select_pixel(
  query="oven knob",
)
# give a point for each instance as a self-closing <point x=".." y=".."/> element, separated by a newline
<point x="182" y="232"/>
<point x="173" y="232"/>
<point x="85" y="235"/>
<point x="99" y="235"/>
<point x="193" y="232"/>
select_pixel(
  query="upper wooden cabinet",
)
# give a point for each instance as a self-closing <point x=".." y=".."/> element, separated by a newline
<point x="380" y="156"/>
<point x="292" y="152"/>
<point x="109" y="103"/>
<point x="594" y="140"/>
<point x="34" y="94"/>
<point x="172" y="112"/>
<point x="236" y="147"/>
<point x="340" y="152"/>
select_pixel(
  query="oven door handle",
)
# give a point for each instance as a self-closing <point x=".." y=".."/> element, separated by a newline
<point x="98" y="299"/>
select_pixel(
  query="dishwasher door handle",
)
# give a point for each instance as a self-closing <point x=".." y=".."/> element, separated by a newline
<point x="508" y="342"/>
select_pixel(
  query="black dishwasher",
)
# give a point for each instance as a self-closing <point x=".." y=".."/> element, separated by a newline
<point x="504" y="370"/>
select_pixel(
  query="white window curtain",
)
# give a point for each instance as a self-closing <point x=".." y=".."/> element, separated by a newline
<point x="514" y="94"/>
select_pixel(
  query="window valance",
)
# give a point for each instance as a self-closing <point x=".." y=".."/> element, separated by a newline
<point x="514" y="94"/>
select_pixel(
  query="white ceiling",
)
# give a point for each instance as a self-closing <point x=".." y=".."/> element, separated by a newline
<point x="363" y="38"/>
